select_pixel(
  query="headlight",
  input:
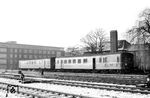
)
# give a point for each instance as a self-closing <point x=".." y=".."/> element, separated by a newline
<point x="148" y="79"/>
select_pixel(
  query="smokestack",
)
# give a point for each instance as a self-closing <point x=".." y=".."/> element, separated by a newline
<point x="113" y="41"/>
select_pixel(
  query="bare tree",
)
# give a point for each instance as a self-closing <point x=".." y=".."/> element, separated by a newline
<point x="141" y="32"/>
<point x="73" y="51"/>
<point x="94" y="41"/>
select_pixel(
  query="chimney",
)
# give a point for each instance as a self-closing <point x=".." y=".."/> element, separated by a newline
<point x="113" y="41"/>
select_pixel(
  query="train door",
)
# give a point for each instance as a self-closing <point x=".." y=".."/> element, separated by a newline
<point x="52" y="63"/>
<point x="94" y="63"/>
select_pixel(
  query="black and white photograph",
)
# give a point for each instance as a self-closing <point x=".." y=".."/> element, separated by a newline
<point x="74" y="48"/>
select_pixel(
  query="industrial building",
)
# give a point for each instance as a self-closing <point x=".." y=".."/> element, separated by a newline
<point x="11" y="53"/>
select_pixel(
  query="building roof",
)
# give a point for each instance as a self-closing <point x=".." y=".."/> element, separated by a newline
<point x="137" y="47"/>
<point x="122" y="45"/>
<point x="15" y="45"/>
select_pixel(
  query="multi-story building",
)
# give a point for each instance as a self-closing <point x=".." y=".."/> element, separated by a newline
<point x="11" y="53"/>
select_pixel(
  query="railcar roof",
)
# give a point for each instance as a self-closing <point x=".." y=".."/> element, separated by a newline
<point x="92" y="55"/>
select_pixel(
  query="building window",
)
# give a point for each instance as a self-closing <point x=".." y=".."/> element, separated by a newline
<point x="15" y="56"/>
<point x="44" y="52"/>
<point x="3" y="49"/>
<point x="11" y="50"/>
<point x="48" y="52"/>
<point x="25" y="56"/>
<point x="35" y="56"/>
<point x="3" y="55"/>
<point x="20" y="50"/>
<point x="40" y="56"/>
<point x="30" y="56"/>
<point x="53" y="52"/>
<point x="11" y="61"/>
<point x="35" y="51"/>
<point x="20" y="56"/>
<point x="30" y="51"/>
<point x="25" y="51"/>
<point x="3" y="61"/>
<point x="11" y="55"/>
<point x="85" y="60"/>
<point x="15" y="50"/>
<point x="40" y="52"/>
<point x="58" y="54"/>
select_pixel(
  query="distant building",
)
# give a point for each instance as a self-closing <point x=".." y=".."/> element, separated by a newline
<point x="11" y="53"/>
<point x="123" y="45"/>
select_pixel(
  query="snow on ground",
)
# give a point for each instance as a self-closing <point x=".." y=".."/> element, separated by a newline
<point x="96" y="93"/>
<point x="9" y="95"/>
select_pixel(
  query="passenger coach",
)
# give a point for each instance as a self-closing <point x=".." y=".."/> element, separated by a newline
<point x="116" y="62"/>
<point x="104" y="62"/>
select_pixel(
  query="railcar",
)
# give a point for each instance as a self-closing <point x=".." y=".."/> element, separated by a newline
<point x="114" y="62"/>
<point x="37" y="64"/>
<point x="122" y="62"/>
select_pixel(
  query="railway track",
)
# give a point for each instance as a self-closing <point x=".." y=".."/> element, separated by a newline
<point x="116" y="87"/>
<point x="31" y="92"/>
<point x="123" y="88"/>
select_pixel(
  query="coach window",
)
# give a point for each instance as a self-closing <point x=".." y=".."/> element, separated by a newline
<point x="57" y="61"/>
<point x="105" y="59"/>
<point x="69" y="61"/>
<point x="74" y="60"/>
<point x="85" y="60"/>
<point x="79" y="60"/>
<point x="117" y="59"/>
<point x="61" y="61"/>
<point x="65" y="61"/>
<point x="100" y="60"/>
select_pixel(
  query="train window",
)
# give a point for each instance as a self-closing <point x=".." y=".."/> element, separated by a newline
<point x="85" y="60"/>
<point x="74" y="60"/>
<point x="61" y="61"/>
<point x="65" y="61"/>
<point x="57" y="61"/>
<point x="105" y="59"/>
<point x="100" y="60"/>
<point x="69" y="61"/>
<point x="117" y="59"/>
<point x="79" y="60"/>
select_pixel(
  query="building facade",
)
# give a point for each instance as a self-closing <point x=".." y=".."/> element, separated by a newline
<point x="141" y="56"/>
<point x="11" y="53"/>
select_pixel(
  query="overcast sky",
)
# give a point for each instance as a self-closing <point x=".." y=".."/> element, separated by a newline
<point x="63" y="23"/>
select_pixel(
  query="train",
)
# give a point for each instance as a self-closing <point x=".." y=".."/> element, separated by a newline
<point x="112" y="62"/>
